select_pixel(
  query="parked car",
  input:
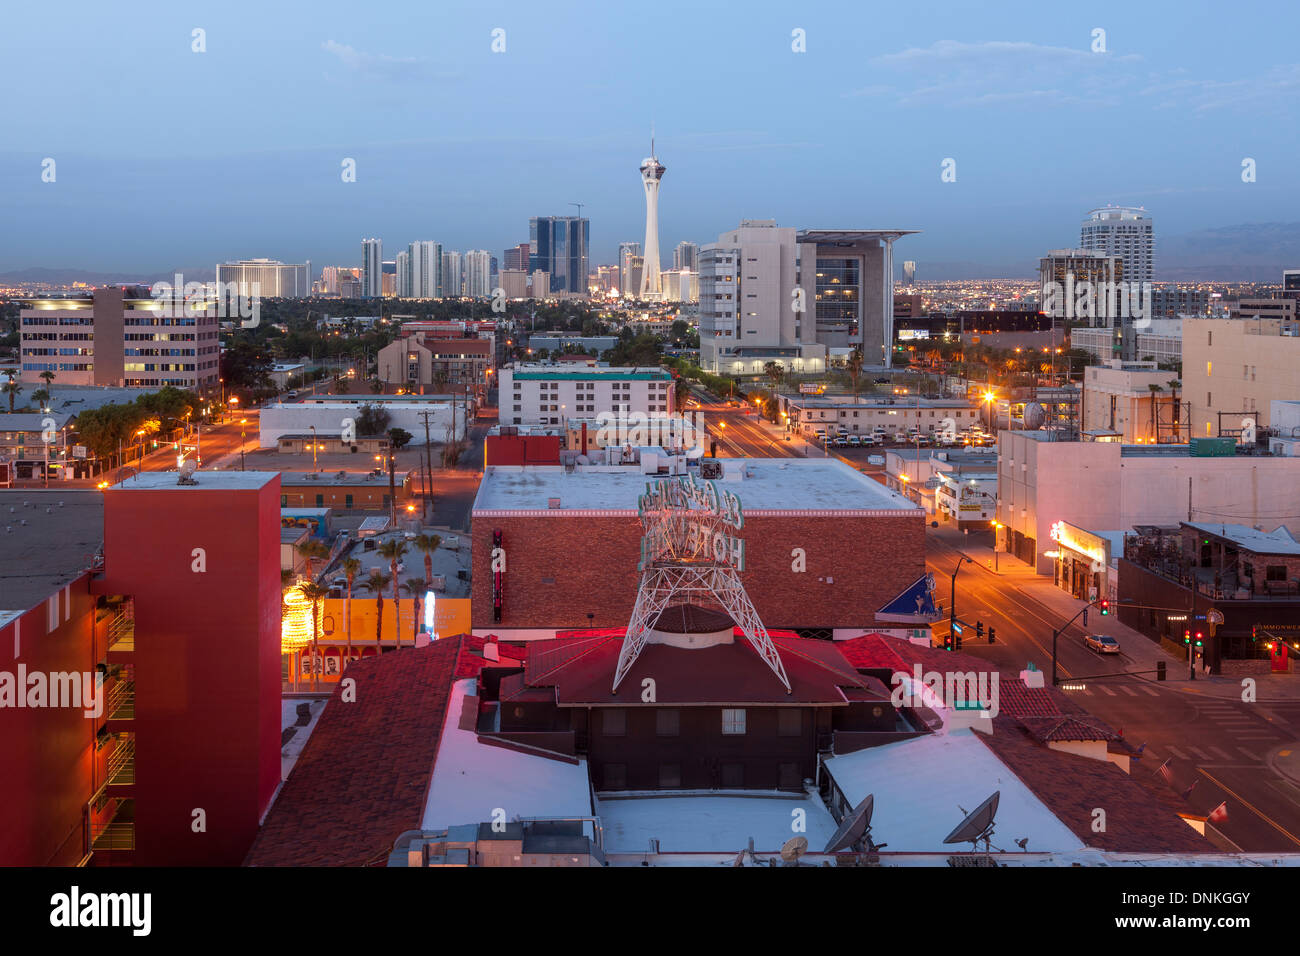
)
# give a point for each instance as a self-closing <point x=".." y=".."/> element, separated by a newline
<point x="1102" y="644"/>
<point x="840" y="441"/>
<point x="293" y="393"/>
<point x="855" y="440"/>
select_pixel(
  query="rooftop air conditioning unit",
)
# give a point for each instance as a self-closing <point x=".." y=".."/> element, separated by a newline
<point x="553" y="503"/>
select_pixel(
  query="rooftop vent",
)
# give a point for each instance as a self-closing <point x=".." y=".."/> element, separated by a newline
<point x="553" y="503"/>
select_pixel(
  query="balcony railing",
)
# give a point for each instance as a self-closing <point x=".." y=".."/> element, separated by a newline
<point x="121" y="762"/>
<point x="121" y="696"/>
<point x="121" y="629"/>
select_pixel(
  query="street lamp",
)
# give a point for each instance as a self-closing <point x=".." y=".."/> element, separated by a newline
<point x="996" y="526"/>
<point x="313" y="447"/>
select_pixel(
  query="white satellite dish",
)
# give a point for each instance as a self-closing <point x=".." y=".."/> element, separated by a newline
<point x="794" y="848"/>
<point x="978" y="824"/>
<point x="855" y="824"/>
<point x="188" y="467"/>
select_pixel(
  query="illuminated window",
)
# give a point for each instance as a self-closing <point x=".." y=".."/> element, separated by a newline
<point x="733" y="720"/>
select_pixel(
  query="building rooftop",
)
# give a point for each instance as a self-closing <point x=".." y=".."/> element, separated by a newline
<point x="339" y="478"/>
<point x="1277" y="541"/>
<point x="564" y="373"/>
<point x="770" y="485"/>
<point x="64" y="530"/>
<point x="31" y="421"/>
<point x="209" y="480"/>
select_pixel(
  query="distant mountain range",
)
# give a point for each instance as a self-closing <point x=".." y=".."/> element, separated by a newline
<point x="64" y="277"/>
<point x="1250" y="252"/>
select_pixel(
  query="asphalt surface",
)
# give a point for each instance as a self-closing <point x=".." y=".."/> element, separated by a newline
<point x="1222" y="748"/>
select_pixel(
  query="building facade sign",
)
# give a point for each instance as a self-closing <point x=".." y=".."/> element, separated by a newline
<point x="689" y="521"/>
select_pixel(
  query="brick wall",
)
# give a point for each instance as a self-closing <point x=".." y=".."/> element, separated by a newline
<point x="560" y="569"/>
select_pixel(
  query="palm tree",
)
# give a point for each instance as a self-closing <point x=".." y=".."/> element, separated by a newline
<point x="416" y="588"/>
<point x="1154" y="388"/>
<point x="351" y="567"/>
<point x="12" y="388"/>
<point x="428" y="543"/>
<point x="314" y="593"/>
<point x="286" y="576"/>
<point x="854" y="365"/>
<point x="377" y="581"/>
<point x="47" y="377"/>
<point x="393" y="549"/>
<point x="312" y="550"/>
<point x="41" y="397"/>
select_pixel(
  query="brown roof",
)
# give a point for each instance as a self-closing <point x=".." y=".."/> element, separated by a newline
<point x="1068" y="727"/>
<point x="1074" y="787"/>
<point x="364" y="775"/>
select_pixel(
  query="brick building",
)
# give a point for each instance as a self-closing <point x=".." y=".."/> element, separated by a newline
<point x="826" y="547"/>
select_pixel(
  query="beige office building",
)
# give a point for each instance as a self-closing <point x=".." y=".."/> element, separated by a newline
<point x="1132" y="402"/>
<point x="1233" y="369"/>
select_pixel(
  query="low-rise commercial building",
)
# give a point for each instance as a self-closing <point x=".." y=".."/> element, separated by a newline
<point x="1136" y="401"/>
<point x="1110" y="485"/>
<point x="863" y="415"/>
<point x="550" y="394"/>
<point x="1233" y="369"/>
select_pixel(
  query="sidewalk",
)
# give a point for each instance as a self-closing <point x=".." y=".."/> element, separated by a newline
<point x="1018" y="578"/>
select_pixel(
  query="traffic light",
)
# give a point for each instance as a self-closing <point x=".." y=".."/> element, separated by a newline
<point x="957" y="643"/>
<point x="1105" y="607"/>
<point x="979" y="628"/>
<point x="1187" y="637"/>
<point x="991" y="633"/>
<point x="947" y="642"/>
<point x="1200" y="642"/>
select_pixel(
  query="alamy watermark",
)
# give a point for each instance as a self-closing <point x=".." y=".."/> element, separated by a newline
<point x="1075" y="299"/>
<point x="675" y="432"/>
<point x="55" y="689"/>
<point x="183" y="299"/>
<point x="951" y="690"/>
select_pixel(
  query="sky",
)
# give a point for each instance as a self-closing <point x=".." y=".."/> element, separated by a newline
<point x="168" y="158"/>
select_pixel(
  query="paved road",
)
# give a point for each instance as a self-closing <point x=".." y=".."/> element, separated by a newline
<point x="1222" y="745"/>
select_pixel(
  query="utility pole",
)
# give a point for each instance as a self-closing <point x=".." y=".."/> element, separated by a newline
<point x="428" y="466"/>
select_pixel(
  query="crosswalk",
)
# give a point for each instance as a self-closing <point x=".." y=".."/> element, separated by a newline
<point x="1119" y="689"/>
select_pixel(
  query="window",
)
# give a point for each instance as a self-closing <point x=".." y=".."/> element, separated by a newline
<point x="320" y="501"/>
<point x="347" y="501"/>
<point x="615" y="776"/>
<point x="1275" y="572"/>
<point x="733" y="720"/>
<point x="670" y="775"/>
<point x="613" y="722"/>
<point x="667" y="723"/>
<point x="789" y="722"/>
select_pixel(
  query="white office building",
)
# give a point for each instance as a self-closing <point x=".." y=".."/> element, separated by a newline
<point x="628" y="284"/>
<point x="403" y="275"/>
<point x="453" y="285"/>
<point x="426" y="268"/>
<point x="267" y="278"/>
<point x="1124" y="232"/>
<point x="551" y="394"/>
<point x="478" y="273"/>
<point x="372" y="268"/>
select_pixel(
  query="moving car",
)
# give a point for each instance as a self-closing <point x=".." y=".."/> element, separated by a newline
<point x="1102" y="644"/>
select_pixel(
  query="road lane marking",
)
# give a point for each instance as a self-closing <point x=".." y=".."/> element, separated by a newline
<point x="1200" y="754"/>
<point x="1177" y="753"/>
<point x="1220" y="752"/>
<point x="1251" y="807"/>
<point x="1129" y="690"/>
<point x="1107" y="691"/>
<point x="1149" y="692"/>
<point x="1249" y="753"/>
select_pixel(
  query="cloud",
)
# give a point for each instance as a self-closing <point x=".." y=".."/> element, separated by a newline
<point x="377" y="65"/>
<point x="956" y="53"/>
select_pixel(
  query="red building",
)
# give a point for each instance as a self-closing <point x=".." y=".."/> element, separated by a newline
<point x="181" y="617"/>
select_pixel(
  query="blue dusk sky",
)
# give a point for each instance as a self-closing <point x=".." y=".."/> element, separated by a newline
<point x="167" y="158"/>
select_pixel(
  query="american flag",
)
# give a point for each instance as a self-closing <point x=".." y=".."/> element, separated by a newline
<point x="1188" y="792"/>
<point x="1166" y="771"/>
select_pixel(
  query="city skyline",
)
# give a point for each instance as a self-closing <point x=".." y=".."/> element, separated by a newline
<point x="262" y="191"/>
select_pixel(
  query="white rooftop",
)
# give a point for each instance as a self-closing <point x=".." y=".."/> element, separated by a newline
<point x="921" y="786"/>
<point x="770" y="484"/>
<point x="712" y="823"/>
<point x="209" y="480"/>
<point x="472" y="779"/>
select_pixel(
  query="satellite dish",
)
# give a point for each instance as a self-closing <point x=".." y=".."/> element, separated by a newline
<point x="853" y="826"/>
<point x="739" y="860"/>
<point x="188" y="467"/>
<point x="1035" y="416"/>
<point x="978" y="824"/>
<point x="794" y="848"/>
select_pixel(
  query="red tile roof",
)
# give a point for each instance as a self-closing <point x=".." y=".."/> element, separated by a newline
<point x="581" y="669"/>
<point x="1074" y="787"/>
<point x="364" y="775"/>
<point x="1068" y="727"/>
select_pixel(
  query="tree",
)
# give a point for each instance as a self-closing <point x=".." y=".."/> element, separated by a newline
<point x="393" y="549"/>
<point x="854" y="366"/>
<point x="246" y="367"/>
<point x="41" y="397"/>
<point x="1174" y="386"/>
<point x="314" y="593"/>
<point x="416" y="588"/>
<point x="12" y="388"/>
<point x="351" y="567"/>
<point x="377" y="581"/>
<point x="372" y="419"/>
<point x="47" y="377"/>
<point x="400" y="438"/>
<point x="681" y="390"/>
<point x="427" y="543"/>
<point x="312" y="550"/>
<point x="774" y="371"/>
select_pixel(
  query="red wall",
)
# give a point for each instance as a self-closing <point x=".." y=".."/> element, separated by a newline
<point x="521" y="450"/>
<point x="592" y="567"/>
<point x="46" y="753"/>
<point x="207" y="660"/>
